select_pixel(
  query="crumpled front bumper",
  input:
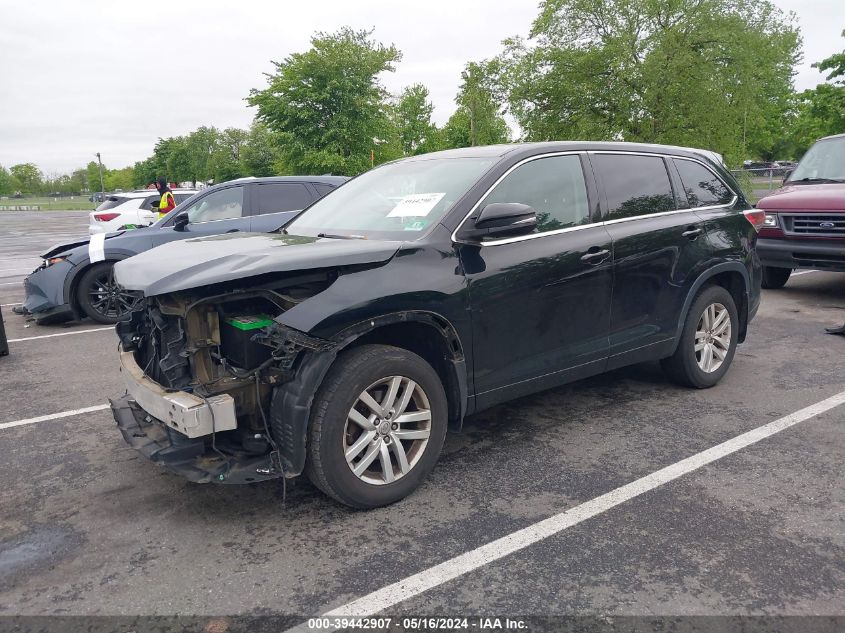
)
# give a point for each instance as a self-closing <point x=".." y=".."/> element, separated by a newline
<point x="44" y="292"/>
<point x="190" y="458"/>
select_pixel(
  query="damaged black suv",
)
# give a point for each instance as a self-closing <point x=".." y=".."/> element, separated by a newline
<point x="345" y="344"/>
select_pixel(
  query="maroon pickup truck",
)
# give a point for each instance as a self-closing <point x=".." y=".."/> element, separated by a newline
<point x="805" y="219"/>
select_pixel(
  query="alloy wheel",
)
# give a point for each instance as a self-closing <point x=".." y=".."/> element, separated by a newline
<point x="713" y="337"/>
<point x="387" y="430"/>
<point x="108" y="298"/>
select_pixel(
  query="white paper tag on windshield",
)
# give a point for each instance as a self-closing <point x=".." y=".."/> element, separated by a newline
<point x="97" y="247"/>
<point x="416" y="205"/>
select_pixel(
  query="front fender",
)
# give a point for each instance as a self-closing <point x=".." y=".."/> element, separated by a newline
<point x="290" y="409"/>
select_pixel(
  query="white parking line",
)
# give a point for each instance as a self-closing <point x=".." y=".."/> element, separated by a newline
<point x="12" y="283"/>
<point x="805" y="272"/>
<point x="33" y="338"/>
<point x="412" y="586"/>
<point x="53" y="416"/>
<point x="6" y="305"/>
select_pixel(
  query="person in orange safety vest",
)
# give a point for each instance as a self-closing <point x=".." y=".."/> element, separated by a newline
<point x="167" y="202"/>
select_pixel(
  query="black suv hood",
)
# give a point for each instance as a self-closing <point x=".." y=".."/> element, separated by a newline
<point x="199" y="262"/>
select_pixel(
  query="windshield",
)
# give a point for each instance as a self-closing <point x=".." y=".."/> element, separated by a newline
<point x="396" y="201"/>
<point x="823" y="161"/>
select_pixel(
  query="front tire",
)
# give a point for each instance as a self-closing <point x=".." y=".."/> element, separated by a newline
<point x="99" y="296"/>
<point x="708" y="341"/>
<point x="774" y="278"/>
<point x="377" y="426"/>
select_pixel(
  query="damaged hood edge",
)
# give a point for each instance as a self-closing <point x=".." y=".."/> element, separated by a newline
<point x="204" y="261"/>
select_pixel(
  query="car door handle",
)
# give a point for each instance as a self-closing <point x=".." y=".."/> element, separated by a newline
<point x="692" y="232"/>
<point x="595" y="256"/>
<point x="233" y="231"/>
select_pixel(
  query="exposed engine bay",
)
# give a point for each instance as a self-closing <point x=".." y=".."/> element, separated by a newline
<point x="215" y="344"/>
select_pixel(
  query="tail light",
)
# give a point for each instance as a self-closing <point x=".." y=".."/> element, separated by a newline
<point x="105" y="217"/>
<point x="756" y="217"/>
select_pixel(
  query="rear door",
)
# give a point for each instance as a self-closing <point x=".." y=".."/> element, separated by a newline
<point x="274" y="203"/>
<point x="656" y="248"/>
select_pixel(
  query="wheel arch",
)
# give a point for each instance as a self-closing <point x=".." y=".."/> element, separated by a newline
<point x="72" y="281"/>
<point x="426" y="334"/>
<point x="732" y="276"/>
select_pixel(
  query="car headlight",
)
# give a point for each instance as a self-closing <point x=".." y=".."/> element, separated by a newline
<point x="53" y="260"/>
<point x="771" y="221"/>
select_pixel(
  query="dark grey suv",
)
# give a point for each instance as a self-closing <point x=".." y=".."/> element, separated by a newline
<point x="76" y="279"/>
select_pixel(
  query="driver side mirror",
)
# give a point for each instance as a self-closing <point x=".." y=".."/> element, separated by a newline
<point x="180" y="222"/>
<point x="501" y="219"/>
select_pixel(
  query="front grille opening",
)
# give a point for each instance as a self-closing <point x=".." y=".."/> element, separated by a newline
<point x="827" y="225"/>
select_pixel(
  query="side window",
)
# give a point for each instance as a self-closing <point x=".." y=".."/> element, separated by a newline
<point x="147" y="203"/>
<point x="554" y="187"/>
<point x="181" y="197"/>
<point x="634" y="185"/>
<point x="702" y="186"/>
<point x="323" y="189"/>
<point x="288" y="196"/>
<point x="220" y="205"/>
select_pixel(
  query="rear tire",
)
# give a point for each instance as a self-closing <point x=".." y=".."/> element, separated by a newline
<point x="708" y="341"/>
<point x="366" y="458"/>
<point x="774" y="278"/>
<point x="100" y="298"/>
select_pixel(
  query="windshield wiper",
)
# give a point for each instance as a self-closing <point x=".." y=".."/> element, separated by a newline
<point x="822" y="180"/>
<point x="342" y="237"/>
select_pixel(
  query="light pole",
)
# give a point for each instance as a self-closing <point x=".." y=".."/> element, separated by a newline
<point x="102" y="186"/>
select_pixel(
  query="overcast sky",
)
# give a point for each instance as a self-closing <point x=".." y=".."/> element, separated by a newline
<point x="79" y="78"/>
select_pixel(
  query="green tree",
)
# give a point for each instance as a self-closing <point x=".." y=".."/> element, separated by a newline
<point x="260" y="154"/>
<point x="327" y="104"/>
<point x="28" y="176"/>
<point x="92" y="171"/>
<point x="821" y="110"/>
<point x="715" y="74"/>
<point x="8" y="183"/>
<point x="225" y="160"/>
<point x="412" y="118"/>
<point x="478" y="120"/>
<point x="79" y="180"/>
<point x="119" y="179"/>
<point x="201" y="145"/>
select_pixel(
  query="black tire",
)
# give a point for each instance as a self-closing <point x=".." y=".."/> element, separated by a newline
<point x="354" y="372"/>
<point x="774" y="278"/>
<point x="99" y="296"/>
<point x="683" y="366"/>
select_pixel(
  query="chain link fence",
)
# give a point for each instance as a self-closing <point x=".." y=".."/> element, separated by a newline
<point x="757" y="183"/>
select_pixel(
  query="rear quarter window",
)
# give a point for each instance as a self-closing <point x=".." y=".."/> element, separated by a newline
<point x="634" y="185"/>
<point x="323" y="189"/>
<point x="148" y="202"/>
<point x="702" y="186"/>
<point x="114" y="201"/>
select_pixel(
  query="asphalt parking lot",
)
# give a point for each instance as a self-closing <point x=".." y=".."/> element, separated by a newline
<point x="87" y="527"/>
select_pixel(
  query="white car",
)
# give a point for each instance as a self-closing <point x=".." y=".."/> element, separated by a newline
<point x="132" y="208"/>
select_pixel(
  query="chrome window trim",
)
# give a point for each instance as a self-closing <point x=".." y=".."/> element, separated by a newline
<point x="521" y="238"/>
<point x="650" y="215"/>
